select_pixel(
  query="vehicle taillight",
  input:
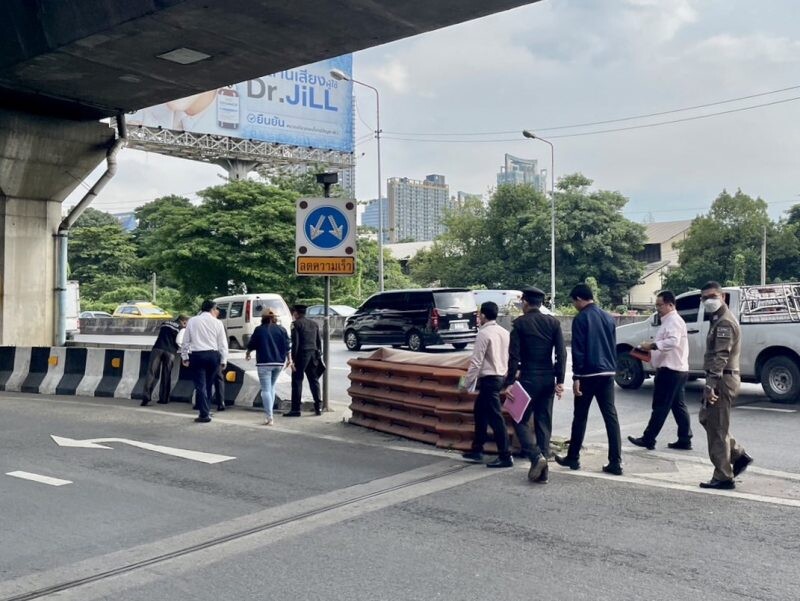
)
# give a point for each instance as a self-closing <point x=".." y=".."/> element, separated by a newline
<point x="247" y="312"/>
<point x="433" y="322"/>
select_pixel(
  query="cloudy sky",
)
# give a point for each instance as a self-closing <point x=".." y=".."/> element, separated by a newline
<point x="454" y="100"/>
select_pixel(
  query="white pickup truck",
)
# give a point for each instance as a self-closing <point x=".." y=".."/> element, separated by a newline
<point x="770" y="320"/>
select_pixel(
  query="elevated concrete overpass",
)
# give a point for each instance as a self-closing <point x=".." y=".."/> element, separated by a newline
<point x="66" y="63"/>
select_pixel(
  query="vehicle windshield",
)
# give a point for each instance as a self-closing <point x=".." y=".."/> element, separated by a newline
<point x="460" y="301"/>
<point x="277" y="305"/>
<point x="152" y="311"/>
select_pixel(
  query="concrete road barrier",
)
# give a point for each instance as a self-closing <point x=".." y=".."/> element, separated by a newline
<point x="110" y="373"/>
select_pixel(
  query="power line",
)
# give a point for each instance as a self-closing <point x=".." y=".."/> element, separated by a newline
<point x="610" y="130"/>
<point x="605" y="122"/>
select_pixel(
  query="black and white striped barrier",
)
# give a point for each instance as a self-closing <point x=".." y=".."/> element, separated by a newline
<point x="114" y="373"/>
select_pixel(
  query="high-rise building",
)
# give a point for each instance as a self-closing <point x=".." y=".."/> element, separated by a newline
<point x="517" y="171"/>
<point x="369" y="217"/>
<point x="462" y="197"/>
<point x="417" y="208"/>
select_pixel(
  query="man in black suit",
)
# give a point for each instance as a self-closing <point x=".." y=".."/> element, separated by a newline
<point x="306" y="360"/>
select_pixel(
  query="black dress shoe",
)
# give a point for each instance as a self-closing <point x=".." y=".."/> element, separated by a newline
<point x="292" y="414"/>
<point x="538" y="466"/>
<point x="545" y="476"/>
<point x="719" y="484"/>
<point x="317" y="411"/>
<point x="741" y="464"/>
<point x="683" y="445"/>
<point x="641" y="442"/>
<point x="144" y="403"/>
<point x="613" y="469"/>
<point x="473" y="456"/>
<point x="573" y="464"/>
<point x="202" y="420"/>
<point x="508" y="462"/>
<point x="162" y="402"/>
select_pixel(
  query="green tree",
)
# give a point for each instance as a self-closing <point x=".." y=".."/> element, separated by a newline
<point x="725" y="244"/>
<point x="594" y="239"/>
<point x="507" y="243"/>
<point x="101" y="254"/>
<point x="240" y="238"/>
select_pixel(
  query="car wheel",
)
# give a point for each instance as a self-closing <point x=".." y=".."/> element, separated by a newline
<point x="630" y="373"/>
<point x="780" y="379"/>
<point x="234" y="344"/>
<point x="459" y="346"/>
<point x="351" y="340"/>
<point x="415" y="342"/>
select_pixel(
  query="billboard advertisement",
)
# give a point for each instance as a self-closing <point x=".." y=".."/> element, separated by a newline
<point x="301" y="107"/>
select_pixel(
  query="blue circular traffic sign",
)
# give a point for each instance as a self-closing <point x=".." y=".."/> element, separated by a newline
<point x="326" y="227"/>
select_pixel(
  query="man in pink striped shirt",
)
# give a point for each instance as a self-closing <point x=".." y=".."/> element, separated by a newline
<point x="670" y="356"/>
<point x="487" y="370"/>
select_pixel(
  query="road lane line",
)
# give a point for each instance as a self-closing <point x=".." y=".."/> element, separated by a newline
<point x="38" y="478"/>
<point x="775" y="409"/>
<point x="644" y="481"/>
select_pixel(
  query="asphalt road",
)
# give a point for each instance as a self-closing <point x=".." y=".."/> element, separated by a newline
<point x="314" y="508"/>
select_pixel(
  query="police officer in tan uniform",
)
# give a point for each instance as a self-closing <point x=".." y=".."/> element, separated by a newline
<point x="721" y="364"/>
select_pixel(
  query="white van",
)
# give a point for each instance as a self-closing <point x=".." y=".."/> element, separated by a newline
<point x="241" y="314"/>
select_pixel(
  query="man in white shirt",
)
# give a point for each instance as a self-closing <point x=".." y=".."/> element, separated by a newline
<point x="487" y="371"/>
<point x="204" y="350"/>
<point x="669" y="354"/>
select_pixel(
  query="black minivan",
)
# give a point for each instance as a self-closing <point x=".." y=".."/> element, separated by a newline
<point x="415" y="318"/>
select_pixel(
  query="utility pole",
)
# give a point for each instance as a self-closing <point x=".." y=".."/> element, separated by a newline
<point x="764" y="258"/>
<point x="327" y="180"/>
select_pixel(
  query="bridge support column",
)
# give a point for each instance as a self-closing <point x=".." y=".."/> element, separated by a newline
<point x="41" y="161"/>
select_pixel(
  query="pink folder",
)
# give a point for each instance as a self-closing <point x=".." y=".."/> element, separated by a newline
<point x="516" y="402"/>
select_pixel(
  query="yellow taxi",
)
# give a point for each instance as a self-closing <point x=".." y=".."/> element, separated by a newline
<point x="141" y="310"/>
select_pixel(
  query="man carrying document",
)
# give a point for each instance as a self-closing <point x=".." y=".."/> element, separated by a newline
<point x="486" y="373"/>
<point x="535" y="339"/>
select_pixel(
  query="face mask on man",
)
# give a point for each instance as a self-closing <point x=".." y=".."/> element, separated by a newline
<point x="712" y="305"/>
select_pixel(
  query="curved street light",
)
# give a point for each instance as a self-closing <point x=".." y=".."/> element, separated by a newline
<point x="342" y="76"/>
<point x="533" y="136"/>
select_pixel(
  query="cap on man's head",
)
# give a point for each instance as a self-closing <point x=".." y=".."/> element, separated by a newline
<point x="533" y="295"/>
<point x="300" y="309"/>
<point x="268" y="313"/>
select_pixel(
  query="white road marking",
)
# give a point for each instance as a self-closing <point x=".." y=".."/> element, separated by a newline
<point x="643" y="479"/>
<point x="39" y="478"/>
<point x="775" y="409"/>
<point x="175" y="452"/>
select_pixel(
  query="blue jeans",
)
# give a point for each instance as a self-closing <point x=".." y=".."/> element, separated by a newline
<point x="268" y="376"/>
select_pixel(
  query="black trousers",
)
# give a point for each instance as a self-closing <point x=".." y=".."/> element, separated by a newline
<point x="488" y="414"/>
<point x="602" y="389"/>
<point x="668" y="396"/>
<point x="542" y="389"/>
<point x="219" y="387"/>
<point x="160" y="365"/>
<point x="305" y="365"/>
<point x="204" y="366"/>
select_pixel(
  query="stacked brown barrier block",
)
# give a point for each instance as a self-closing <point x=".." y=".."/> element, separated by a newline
<point x="414" y="395"/>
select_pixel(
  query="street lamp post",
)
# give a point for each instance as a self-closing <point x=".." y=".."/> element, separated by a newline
<point x="342" y="76"/>
<point x="533" y="136"/>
